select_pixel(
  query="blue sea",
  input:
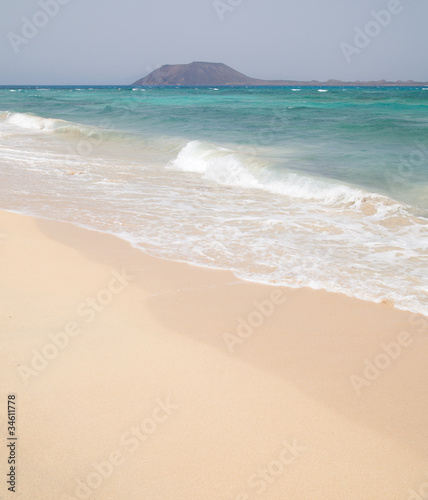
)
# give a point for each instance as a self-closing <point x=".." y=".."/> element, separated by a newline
<point x="304" y="187"/>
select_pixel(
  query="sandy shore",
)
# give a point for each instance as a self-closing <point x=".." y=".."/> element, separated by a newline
<point x="137" y="378"/>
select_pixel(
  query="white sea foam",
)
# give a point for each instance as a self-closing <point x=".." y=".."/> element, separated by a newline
<point x="14" y="122"/>
<point x="219" y="164"/>
<point x="229" y="167"/>
<point x="31" y="122"/>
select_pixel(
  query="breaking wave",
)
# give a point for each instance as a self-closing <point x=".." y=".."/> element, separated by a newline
<point x="27" y="121"/>
<point x="229" y="167"/>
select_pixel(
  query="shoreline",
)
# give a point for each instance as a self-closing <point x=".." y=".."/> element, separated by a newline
<point x="185" y="381"/>
<point x="213" y="268"/>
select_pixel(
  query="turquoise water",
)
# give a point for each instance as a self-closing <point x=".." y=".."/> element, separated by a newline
<point x="325" y="188"/>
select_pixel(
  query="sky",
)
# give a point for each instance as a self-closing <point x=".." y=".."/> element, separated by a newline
<point x="116" y="42"/>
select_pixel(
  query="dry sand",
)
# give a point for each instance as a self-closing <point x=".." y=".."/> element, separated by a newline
<point x="142" y="399"/>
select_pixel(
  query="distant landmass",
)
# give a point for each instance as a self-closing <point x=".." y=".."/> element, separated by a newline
<point x="218" y="74"/>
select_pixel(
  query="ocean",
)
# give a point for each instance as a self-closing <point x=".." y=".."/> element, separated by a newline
<point x="302" y="187"/>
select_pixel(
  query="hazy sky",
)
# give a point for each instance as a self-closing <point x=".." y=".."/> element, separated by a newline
<point x="119" y="41"/>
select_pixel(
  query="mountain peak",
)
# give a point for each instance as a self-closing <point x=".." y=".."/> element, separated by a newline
<point x="196" y="73"/>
